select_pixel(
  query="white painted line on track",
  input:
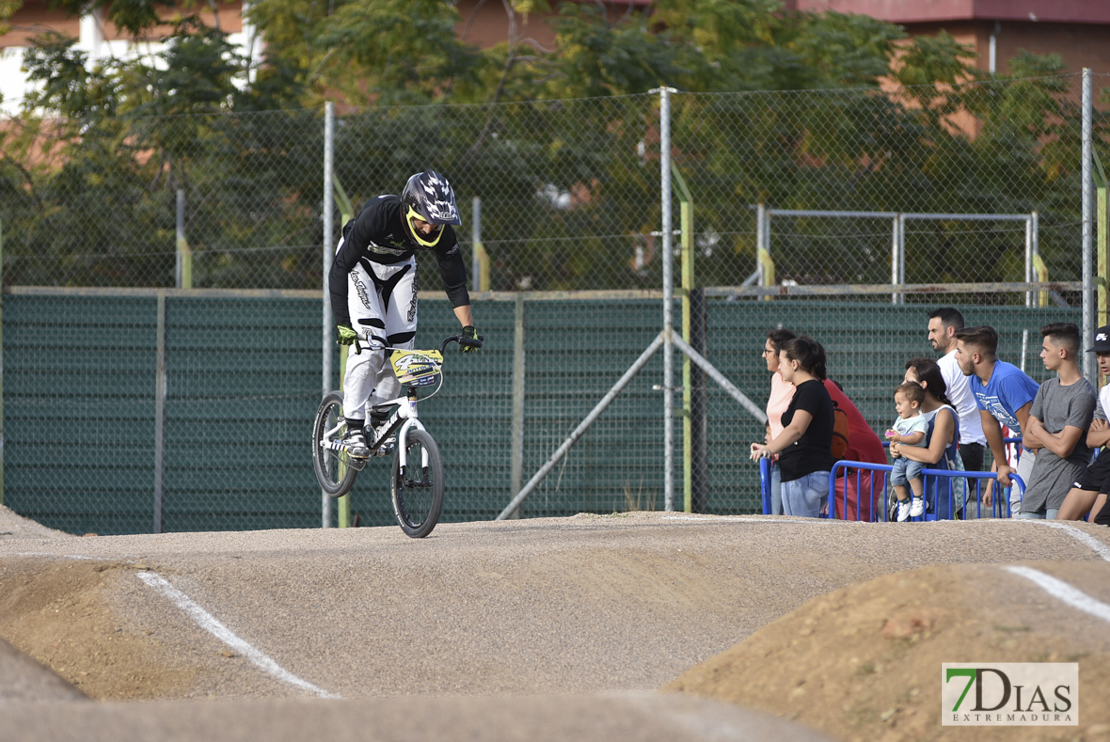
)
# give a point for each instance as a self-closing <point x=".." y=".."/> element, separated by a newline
<point x="209" y="623"/>
<point x="1099" y="548"/>
<point x="1064" y="592"/>
<point x="747" y="519"/>
<point x="48" y="554"/>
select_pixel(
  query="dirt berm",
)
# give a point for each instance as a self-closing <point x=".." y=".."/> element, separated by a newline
<point x="864" y="663"/>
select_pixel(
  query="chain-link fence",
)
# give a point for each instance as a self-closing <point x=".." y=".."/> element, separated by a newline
<point x="569" y="188"/>
<point x="977" y="186"/>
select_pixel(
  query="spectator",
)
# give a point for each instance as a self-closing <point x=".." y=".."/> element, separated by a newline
<point x="942" y="438"/>
<point x="1058" y="423"/>
<point x="855" y="491"/>
<point x="781" y="394"/>
<point x="805" y="441"/>
<point x="1100" y="512"/>
<point x="908" y="430"/>
<point x="1003" y="394"/>
<point x="943" y="324"/>
<point x="1090" y="488"/>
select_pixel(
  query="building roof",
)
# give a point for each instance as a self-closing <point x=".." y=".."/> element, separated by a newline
<point x="931" y="11"/>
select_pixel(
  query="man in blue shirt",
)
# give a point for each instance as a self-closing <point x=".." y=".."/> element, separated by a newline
<point x="1004" y="395"/>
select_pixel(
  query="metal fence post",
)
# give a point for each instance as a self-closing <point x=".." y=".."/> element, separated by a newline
<point x="902" y="255"/>
<point x="329" y="158"/>
<point x="1101" y="241"/>
<point x="1088" y="282"/>
<point x="1029" y="259"/>
<point x="894" y="260"/>
<point x="160" y="412"/>
<point x="760" y="215"/>
<point x="516" y="453"/>
<point x="668" y="297"/>
<point x="476" y="242"/>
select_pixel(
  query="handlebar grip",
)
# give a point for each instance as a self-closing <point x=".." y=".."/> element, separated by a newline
<point x="461" y="340"/>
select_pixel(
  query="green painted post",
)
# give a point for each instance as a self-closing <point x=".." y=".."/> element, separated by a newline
<point x="346" y="213"/>
<point x="346" y="210"/>
<point x="184" y="253"/>
<point x="1" y="364"/>
<point x="1101" y="219"/>
<point x="343" y="505"/>
<point x="686" y="201"/>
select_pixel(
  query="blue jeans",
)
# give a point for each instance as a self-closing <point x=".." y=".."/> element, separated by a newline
<point x="803" y="497"/>
<point x="776" y="489"/>
<point x="905" y="470"/>
<point x="1045" y="515"/>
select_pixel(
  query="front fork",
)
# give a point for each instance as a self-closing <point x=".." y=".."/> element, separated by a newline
<point x="407" y="412"/>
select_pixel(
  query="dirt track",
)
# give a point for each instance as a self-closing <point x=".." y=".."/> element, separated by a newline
<point x="583" y="605"/>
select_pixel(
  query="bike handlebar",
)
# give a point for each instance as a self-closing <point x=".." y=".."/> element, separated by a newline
<point x="461" y="340"/>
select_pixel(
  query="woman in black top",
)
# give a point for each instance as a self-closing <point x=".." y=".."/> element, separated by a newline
<point x="805" y="458"/>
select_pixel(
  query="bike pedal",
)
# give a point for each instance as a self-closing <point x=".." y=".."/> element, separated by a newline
<point x="357" y="464"/>
<point x="384" y="450"/>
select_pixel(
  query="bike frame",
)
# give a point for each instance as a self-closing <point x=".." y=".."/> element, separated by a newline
<point x="404" y="417"/>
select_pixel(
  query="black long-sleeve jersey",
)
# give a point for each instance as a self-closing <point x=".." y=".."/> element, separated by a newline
<point x="377" y="235"/>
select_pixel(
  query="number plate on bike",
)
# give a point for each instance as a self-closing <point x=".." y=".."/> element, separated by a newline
<point x="416" y="367"/>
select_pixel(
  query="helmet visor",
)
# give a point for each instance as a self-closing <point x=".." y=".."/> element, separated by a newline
<point x="418" y="228"/>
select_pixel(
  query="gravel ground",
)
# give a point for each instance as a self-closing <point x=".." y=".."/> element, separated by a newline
<point x="580" y="605"/>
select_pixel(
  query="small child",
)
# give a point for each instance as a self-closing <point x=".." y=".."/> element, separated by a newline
<point x="909" y="430"/>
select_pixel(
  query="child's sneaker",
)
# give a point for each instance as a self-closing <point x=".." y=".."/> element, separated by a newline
<point x="903" y="511"/>
<point x="918" y="507"/>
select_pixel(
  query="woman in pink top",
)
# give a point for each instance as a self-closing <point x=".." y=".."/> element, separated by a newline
<point x="781" y="394"/>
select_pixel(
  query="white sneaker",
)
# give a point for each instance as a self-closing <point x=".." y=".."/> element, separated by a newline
<point x="903" y="511"/>
<point x="918" y="506"/>
<point x="355" y="443"/>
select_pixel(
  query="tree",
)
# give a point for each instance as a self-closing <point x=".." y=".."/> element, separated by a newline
<point x="561" y="146"/>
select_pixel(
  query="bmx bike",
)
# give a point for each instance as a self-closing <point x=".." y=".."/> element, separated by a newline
<point x="416" y="481"/>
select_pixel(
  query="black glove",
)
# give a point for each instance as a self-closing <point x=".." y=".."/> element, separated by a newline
<point x="471" y="340"/>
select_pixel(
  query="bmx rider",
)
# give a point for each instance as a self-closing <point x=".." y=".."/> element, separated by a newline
<point x="373" y="291"/>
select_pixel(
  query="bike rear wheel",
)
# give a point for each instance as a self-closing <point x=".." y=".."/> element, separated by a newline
<point x="418" y="490"/>
<point x="330" y="461"/>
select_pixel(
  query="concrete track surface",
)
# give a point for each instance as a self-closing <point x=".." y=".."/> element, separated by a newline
<point x="536" y="629"/>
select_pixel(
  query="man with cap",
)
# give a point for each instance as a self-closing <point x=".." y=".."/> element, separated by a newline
<point x="1088" y="492"/>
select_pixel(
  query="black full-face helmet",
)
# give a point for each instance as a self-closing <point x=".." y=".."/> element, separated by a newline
<point x="428" y="196"/>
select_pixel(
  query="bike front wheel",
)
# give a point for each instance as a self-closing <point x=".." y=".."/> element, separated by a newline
<point x="418" y="489"/>
<point x="330" y="461"/>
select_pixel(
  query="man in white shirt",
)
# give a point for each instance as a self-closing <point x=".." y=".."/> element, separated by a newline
<point x="943" y="324"/>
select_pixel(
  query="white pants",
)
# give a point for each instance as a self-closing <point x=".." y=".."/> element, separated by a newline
<point x="382" y="303"/>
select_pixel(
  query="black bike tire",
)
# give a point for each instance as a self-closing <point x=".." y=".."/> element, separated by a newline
<point x="319" y="455"/>
<point x="397" y="489"/>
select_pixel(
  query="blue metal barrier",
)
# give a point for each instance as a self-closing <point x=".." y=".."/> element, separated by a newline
<point x="1000" y="507"/>
<point x="765" y="484"/>
<point x="934" y="510"/>
<point x="859" y="467"/>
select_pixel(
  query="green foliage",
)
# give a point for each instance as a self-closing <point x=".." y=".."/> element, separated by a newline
<point x="7" y="10"/>
<point x="369" y="51"/>
<point x="561" y="146"/>
<point x="90" y="193"/>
